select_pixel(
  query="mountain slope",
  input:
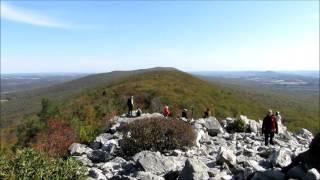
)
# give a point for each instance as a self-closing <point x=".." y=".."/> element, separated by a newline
<point x="152" y="90"/>
<point x="89" y="102"/>
<point x="27" y="102"/>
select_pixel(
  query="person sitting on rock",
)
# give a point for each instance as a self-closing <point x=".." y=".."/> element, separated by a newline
<point x="269" y="127"/>
<point x="166" y="111"/>
<point x="184" y="113"/>
<point x="310" y="158"/>
<point x="139" y="112"/>
<point x="130" y="105"/>
<point x="278" y="117"/>
<point x="206" y="113"/>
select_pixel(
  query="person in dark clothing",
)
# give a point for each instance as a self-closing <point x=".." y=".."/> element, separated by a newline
<point x="139" y="112"/>
<point x="185" y="113"/>
<point x="310" y="158"/>
<point x="206" y="113"/>
<point x="130" y="105"/>
<point x="269" y="127"/>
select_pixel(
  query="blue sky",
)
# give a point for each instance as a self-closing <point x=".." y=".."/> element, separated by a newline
<point x="84" y="36"/>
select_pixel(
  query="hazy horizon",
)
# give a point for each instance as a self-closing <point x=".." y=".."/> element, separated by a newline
<point x="60" y="73"/>
<point x="56" y="36"/>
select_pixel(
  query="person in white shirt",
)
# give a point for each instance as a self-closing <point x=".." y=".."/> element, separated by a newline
<point x="278" y="117"/>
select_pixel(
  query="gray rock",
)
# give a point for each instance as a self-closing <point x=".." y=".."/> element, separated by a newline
<point x="254" y="126"/>
<point x="265" y="152"/>
<point x="104" y="138"/>
<point x="84" y="160"/>
<point x="254" y="164"/>
<point x="312" y="174"/>
<point x="217" y="155"/>
<point x="95" y="145"/>
<point x="122" y="177"/>
<point x="157" y="164"/>
<point x="280" y="158"/>
<point x="269" y="174"/>
<point x="77" y="149"/>
<point x="226" y="156"/>
<point x="223" y="175"/>
<point x="249" y="152"/>
<point x="114" y="165"/>
<point x="98" y="156"/>
<point x="213" y="126"/>
<point x="142" y="175"/>
<point x="304" y="133"/>
<point x="114" y="128"/>
<point x="197" y="126"/>
<point x="213" y="172"/>
<point x="109" y="148"/>
<point x="129" y="168"/>
<point x="177" y="152"/>
<point x="173" y="175"/>
<point x="224" y="123"/>
<point x="200" y="133"/>
<point x="297" y="172"/>
<point x="97" y="174"/>
<point x="194" y="169"/>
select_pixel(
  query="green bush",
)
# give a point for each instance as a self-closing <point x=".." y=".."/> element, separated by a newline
<point x="28" y="164"/>
<point x="28" y="130"/>
<point x="237" y="126"/>
<point x="156" y="134"/>
<point x="87" y="133"/>
<point x="240" y="125"/>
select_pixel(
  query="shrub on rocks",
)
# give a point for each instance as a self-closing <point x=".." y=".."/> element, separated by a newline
<point x="55" y="139"/>
<point x="238" y="125"/>
<point x="156" y="134"/>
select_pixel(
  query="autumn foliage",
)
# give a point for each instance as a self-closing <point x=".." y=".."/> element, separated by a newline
<point x="55" y="138"/>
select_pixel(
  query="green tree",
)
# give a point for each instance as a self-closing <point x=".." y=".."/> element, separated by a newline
<point x="28" y="130"/>
<point x="48" y="110"/>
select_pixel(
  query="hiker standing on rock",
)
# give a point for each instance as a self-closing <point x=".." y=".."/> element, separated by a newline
<point x="130" y="105"/>
<point x="269" y="127"/>
<point x="166" y="111"/>
<point x="206" y="113"/>
<point x="281" y="129"/>
<point x="278" y="117"/>
<point x="184" y="113"/>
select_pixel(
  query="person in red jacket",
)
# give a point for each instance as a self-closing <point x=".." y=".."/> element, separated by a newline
<point x="166" y="111"/>
<point x="269" y="127"/>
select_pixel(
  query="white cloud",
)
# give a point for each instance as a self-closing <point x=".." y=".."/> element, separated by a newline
<point x="26" y="16"/>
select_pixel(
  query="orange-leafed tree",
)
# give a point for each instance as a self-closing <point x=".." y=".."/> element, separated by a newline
<point x="55" y="138"/>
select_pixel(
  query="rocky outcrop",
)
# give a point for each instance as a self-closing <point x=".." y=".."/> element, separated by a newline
<point x="216" y="154"/>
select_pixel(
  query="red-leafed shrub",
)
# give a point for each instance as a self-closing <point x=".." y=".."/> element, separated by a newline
<point x="156" y="134"/>
<point x="55" y="138"/>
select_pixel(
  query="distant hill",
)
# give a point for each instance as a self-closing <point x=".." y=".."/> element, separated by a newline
<point x="91" y="100"/>
<point x="28" y="101"/>
<point x="25" y="81"/>
<point x="291" y="83"/>
<point x="179" y="90"/>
